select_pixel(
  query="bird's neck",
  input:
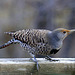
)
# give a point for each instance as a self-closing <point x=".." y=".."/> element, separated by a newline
<point x="55" y="42"/>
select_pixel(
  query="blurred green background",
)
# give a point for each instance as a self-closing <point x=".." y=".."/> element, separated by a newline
<point x="42" y="14"/>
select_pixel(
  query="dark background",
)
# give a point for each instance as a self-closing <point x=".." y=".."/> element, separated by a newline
<point x="42" y="14"/>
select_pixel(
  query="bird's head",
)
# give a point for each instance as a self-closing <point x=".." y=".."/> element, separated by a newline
<point x="61" y="33"/>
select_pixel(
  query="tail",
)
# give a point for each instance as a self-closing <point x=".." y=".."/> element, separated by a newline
<point x="7" y="44"/>
<point x="9" y="33"/>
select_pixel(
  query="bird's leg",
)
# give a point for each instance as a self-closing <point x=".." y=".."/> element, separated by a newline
<point x="30" y="51"/>
<point x="49" y="58"/>
<point x="35" y="60"/>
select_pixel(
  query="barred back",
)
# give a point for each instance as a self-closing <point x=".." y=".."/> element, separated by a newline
<point x="30" y="36"/>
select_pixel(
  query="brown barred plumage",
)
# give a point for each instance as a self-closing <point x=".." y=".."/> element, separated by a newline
<point x="34" y="38"/>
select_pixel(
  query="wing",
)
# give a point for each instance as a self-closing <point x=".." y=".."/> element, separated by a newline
<point x="31" y="36"/>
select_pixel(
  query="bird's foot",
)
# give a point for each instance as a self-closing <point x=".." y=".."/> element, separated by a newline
<point x="35" y="60"/>
<point x="50" y="59"/>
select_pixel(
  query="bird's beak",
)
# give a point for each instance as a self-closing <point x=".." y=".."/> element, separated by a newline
<point x="71" y="31"/>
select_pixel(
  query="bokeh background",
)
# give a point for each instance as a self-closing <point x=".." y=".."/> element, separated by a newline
<point x="42" y="14"/>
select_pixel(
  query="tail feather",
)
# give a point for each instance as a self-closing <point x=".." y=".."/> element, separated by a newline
<point x="6" y="44"/>
<point x="9" y="33"/>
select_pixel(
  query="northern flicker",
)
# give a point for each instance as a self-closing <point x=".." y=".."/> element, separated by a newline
<point x="39" y="41"/>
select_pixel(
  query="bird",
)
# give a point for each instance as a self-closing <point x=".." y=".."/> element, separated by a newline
<point x="39" y="41"/>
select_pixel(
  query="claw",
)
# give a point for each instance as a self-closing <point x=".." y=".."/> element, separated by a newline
<point x="50" y="59"/>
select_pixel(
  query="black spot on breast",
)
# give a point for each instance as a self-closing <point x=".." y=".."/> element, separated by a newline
<point x="54" y="51"/>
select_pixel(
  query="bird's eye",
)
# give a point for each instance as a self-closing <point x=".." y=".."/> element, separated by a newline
<point x="64" y="32"/>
